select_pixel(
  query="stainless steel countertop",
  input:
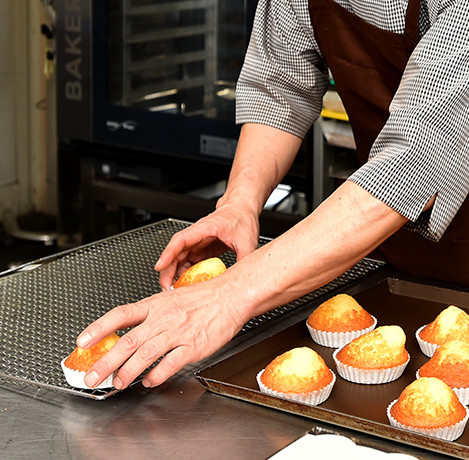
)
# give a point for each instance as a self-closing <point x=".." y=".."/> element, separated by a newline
<point x="177" y="420"/>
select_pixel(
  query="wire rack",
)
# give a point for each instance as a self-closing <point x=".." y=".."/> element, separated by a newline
<point x="46" y="303"/>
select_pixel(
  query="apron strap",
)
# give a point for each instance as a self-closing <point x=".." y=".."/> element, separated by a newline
<point x="412" y="20"/>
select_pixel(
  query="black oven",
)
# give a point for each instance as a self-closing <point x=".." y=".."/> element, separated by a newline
<point x="154" y="75"/>
<point x="145" y="87"/>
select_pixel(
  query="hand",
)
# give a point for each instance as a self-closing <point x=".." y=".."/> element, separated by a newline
<point x="228" y="228"/>
<point x="183" y="326"/>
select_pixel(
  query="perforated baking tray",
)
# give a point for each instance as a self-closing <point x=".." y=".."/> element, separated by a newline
<point x="361" y="408"/>
<point x="46" y="303"/>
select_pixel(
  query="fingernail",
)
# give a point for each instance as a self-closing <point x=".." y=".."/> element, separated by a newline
<point x="146" y="383"/>
<point x="83" y="340"/>
<point x="92" y="379"/>
<point x="117" y="382"/>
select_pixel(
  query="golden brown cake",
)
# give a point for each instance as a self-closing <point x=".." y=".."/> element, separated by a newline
<point x="378" y="356"/>
<point x="339" y="320"/>
<point x="80" y="361"/>
<point x="300" y="374"/>
<point x="430" y="406"/>
<point x="450" y="363"/>
<point x="450" y="324"/>
<point x="341" y="313"/>
<point x="382" y="348"/>
<point x="201" y="271"/>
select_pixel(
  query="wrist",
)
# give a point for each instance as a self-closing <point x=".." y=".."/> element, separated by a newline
<point x="244" y="201"/>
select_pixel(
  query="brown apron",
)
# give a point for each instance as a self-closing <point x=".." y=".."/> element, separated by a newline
<point x="367" y="64"/>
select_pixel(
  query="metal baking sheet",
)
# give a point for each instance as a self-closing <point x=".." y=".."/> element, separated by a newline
<point x="354" y="406"/>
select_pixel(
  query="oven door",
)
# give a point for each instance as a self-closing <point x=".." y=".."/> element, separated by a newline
<point x="154" y="75"/>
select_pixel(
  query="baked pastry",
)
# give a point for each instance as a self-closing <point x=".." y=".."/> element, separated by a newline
<point x="451" y="323"/>
<point x="80" y="361"/>
<point x="450" y="363"/>
<point x="378" y="356"/>
<point x="338" y="321"/>
<point x="429" y="406"/>
<point x="201" y="271"/>
<point x="299" y="374"/>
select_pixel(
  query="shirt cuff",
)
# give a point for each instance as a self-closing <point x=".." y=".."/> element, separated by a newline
<point x="402" y="190"/>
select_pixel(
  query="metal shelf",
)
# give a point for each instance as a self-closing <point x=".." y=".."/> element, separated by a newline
<point x="189" y="71"/>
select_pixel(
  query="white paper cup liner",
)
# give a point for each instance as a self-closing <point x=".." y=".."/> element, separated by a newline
<point x="428" y="348"/>
<point x="368" y="376"/>
<point x="448" y="433"/>
<point x="337" y="339"/>
<point x="76" y="379"/>
<point x="461" y="393"/>
<point x="313" y="399"/>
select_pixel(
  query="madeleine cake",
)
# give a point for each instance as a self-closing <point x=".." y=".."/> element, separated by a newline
<point x="429" y="406"/>
<point x="338" y="321"/>
<point x="450" y="324"/>
<point x="80" y="361"/>
<point x="201" y="271"/>
<point x="376" y="357"/>
<point x="300" y="374"/>
<point x="450" y="363"/>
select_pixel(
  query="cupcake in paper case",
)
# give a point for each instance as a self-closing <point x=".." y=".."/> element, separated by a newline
<point x="376" y="357"/>
<point x="299" y="374"/>
<point x="338" y="321"/>
<point x="76" y="379"/>
<point x="429" y="406"/>
<point x="450" y="363"/>
<point x="426" y="348"/>
<point x="451" y="323"/>
<point x="80" y="361"/>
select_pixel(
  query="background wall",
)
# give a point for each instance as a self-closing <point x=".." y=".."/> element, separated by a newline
<point x="27" y="144"/>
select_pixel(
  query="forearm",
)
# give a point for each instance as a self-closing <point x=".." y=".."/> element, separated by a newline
<point x="339" y="233"/>
<point x="263" y="157"/>
<point x="188" y="324"/>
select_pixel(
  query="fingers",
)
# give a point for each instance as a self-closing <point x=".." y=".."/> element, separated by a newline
<point x="245" y="247"/>
<point x="176" y="258"/>
<point x="180" y="327"/>
<point x="172" y="363"/>
<point x="132" y="354"/>
<point x="147" y="354"/>
<point x="136" y="351"/>
<point x="118" y="318"/>
<point x="226" y="228"/>
<point x="180" y="244"/>
<point x="167" y="275"/>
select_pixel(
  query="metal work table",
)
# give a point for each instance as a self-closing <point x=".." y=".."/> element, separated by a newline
<point x="41" y="418"/>
<point x="177" y="420"/>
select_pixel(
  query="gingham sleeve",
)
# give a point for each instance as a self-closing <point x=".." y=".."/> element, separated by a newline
<point x="423" y="150"/>
<point x="283" y="77"/>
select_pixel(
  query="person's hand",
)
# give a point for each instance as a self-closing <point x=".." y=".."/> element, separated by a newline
<point x="228" y="228"/>
<point x="182" y="326"/>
